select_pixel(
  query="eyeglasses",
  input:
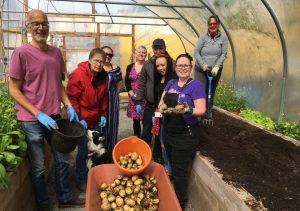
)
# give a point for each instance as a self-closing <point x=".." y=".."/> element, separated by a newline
<point x="96" y="61"/>
<point x="210" y="24"/>
<point x="183" y="66"/>
<point x="36" y="24"/>
<point x="109" y="55"/>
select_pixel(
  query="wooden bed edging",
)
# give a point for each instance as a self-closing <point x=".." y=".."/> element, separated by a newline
<point x="20" y="195"/>
<point x="209" y="192"/>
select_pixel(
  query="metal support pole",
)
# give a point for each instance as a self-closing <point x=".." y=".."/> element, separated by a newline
<point x="285" y="61"/>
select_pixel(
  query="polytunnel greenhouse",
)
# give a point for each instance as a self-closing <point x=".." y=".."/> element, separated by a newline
<point x="248" y="157"/>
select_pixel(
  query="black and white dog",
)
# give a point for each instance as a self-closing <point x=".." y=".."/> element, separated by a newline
<point x="97" y="152"/>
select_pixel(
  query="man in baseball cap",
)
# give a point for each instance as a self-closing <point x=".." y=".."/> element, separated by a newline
<point x="158" y="46"/>
<point x="158" y="42"/>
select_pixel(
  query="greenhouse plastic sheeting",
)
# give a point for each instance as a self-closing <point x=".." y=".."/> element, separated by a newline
<point x="255" y="63"/>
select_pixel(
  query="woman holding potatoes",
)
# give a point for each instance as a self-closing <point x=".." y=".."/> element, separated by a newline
<point x="181" y="102"/>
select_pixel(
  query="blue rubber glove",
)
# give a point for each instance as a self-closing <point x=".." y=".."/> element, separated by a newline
<point x="46" y="120"/>
<point x="138" y="109"/>
<point x="152" y="119"/>
<point x="102" y="121"/>
<point x="72" y="114"/>
<point x="83" y="123"/>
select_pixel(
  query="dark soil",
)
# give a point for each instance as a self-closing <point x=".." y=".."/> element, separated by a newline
<point x="267" y="166"/>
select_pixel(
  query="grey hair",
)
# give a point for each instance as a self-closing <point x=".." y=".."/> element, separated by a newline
<point x="141" y="47"/>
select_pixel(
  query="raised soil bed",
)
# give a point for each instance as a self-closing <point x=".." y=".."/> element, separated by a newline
<point x="265" y="164"/>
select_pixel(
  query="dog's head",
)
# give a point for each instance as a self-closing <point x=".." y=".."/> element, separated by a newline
<point x="96" y="137"/>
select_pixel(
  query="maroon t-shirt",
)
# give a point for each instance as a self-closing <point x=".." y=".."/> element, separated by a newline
<point x="41" y="72"/>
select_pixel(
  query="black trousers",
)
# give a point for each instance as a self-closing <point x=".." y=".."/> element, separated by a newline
<point x="137" y="127"/>
<point x="147" y="122"/>
<point x="181" y="148"/>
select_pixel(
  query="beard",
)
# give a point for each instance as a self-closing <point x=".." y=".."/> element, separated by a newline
<point x="40" y="37"/>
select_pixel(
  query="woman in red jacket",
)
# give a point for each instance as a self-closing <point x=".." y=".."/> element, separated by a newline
<point x="87" y="91"/>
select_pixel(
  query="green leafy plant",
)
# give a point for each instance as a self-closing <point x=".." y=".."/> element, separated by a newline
<point x="12" y="140"/>
<point x="227" y="99"/>
<point x="291" y="129"/>
<point x="257" y="117"/>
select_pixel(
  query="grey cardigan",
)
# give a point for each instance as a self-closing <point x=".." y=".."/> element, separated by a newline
<point x="211" y="51"/>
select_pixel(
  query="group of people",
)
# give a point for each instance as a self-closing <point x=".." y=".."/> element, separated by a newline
<point x="92" y="98"/>
<point x="161" y="81"/>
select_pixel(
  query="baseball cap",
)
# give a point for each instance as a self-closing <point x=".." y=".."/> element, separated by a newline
<point x="158" y="42"/>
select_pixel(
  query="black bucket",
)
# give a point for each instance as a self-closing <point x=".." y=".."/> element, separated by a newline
<point x="66" y="138"/>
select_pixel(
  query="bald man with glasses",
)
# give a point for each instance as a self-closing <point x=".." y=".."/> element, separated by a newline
<point x="36" y="70"/>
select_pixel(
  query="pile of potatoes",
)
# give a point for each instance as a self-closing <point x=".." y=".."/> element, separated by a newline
<point x="136" y="193"/>
<point x="131" y="161"/>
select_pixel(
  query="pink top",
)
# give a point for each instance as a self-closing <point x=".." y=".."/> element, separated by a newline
<point x="41" y="72"/>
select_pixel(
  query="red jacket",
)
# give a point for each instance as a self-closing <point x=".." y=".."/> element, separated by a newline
<point x="89" y="102"/>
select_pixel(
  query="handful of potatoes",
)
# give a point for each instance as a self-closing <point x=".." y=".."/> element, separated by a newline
<point x="130" y="194"/>
<point x="180" y="108"/>
<point x="131" y="161"/>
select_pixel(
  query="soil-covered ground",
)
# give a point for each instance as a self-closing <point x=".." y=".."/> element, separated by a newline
<point x="267" y="166"/>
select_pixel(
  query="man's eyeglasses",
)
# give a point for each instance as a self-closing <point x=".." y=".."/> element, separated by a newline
<point x="183" y="66"/>
<point x="109" y="55"/>
<point x="96" y="61"/>
<point x="36" y="24"/>
<point x="210" y="24"/>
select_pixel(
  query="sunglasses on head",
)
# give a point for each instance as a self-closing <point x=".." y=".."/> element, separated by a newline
<point x="109" y="55"/>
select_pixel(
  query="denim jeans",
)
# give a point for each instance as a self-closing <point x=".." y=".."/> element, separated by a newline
<point x="36" y="133"/>
<point x="81" y="159"/>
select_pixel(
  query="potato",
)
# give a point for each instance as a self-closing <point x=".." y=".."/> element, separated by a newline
<point x="128" y="190"/>
<point x="105" y="206"/>
<point x="103" y="186"/>
<point x="130" y="202"/>
<point x="138" y="182"/>
<point x="163" y="107"/>
<point x="126" y="207"/>
<point x="122" y="193"/>
<point x="119" y="201"/>
<point x="103" y="195"/>
<point x="111" y="198"/>
<point x="134" y="156"/>
<point x="179" y="107"/>
<point x="139" y="161"/>
<point x="113" y="205"/>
